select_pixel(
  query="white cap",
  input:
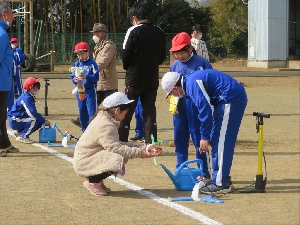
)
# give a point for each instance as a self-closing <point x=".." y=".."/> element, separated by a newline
<point x="168" y="82"/>
<point x="116" y="99"/>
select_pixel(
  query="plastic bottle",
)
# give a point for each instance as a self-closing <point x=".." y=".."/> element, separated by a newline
<point x="81" y="89"/>
<point x="64" y="141"/>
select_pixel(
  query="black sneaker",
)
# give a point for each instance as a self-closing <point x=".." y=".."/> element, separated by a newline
<point x="3" y="152"/>
<point x="76" y="122"/>
<point x="12" y="149"/>
<point x="136" y="139"/>
<point x="214" y="189"/>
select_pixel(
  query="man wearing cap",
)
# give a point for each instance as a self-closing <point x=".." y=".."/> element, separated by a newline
<point x="221" y="102"/>
<point x="19" y="59"/>
<point x="185" y="113"/>
<point x="105" y="56"/>
<point x="144" y="49"/>
<point x="23" y="118"/>
<point x="6" y="65"/>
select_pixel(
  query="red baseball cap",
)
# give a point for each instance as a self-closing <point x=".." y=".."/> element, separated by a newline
<point x="14" y="40"/>
<point x="81" y="46"/>
<point x="29" y="82"/>
<point x="180" y="41"/>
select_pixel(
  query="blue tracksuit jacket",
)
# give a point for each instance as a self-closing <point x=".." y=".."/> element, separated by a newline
<point x="221" y="102"/>
<point x="19" y="59"/>
<point x="24" y="117"/>
<point x="6" y="61"/>
<point x="186" y="123"/>
<point x="88" y="106"/>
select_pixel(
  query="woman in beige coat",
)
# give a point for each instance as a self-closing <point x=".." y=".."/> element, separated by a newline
<point x="99" y="153"/>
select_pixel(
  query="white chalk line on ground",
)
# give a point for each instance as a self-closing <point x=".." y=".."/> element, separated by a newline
<point x="189" y="212"/>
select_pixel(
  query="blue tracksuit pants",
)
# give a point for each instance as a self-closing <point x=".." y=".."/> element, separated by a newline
<point x="18" y="80"/>
<point x="24" y="126"/>
<point x="187" y="124"/>
<point x="87" y="107"/>
<point x="226" y="123"/>
<point x="138" y="113"/>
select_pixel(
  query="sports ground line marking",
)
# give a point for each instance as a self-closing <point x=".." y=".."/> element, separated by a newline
<point x="189" y="212"/>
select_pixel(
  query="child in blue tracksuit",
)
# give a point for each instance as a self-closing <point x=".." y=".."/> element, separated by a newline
<point x="19" y="59"/>
<point x="221" y="102"/>
<point x="23" y="117"/>
<point x="185" y="121"/>
<point x="90" y="75"/>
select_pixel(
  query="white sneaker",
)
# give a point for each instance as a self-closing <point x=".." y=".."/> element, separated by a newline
<point x="16" y="133"/>
<point x="24" y="140"/>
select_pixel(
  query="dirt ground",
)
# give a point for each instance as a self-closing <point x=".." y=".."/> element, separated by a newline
<point x="40" y="187"/>
<point x="224" y="64"/>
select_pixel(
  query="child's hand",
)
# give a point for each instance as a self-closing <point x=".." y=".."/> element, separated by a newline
<point x="47" y="123"/>
<point x="81" y="76"/>
<point x="145" y="154"/>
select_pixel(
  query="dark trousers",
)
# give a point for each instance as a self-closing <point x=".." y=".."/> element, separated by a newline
<point x="4" y="140"/>
<point x="148" y="98"/>
<point x="99" y="177"/>
<point x="101" y="95"/>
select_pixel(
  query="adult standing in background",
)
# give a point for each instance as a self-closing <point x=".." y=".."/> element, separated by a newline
<point x="105" y="57"/>
<point x="198" y="44"/>
<point x="6" y="65"/>
<point x="144" y="49"/>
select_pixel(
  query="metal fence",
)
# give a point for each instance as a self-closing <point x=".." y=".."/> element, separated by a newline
<point x="63" y="45"/>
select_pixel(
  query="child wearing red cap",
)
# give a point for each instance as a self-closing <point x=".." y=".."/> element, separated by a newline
<point x="23" y="118"/>
<point x="18" y="59"/>
<point x="185" y="118"/>
<point x="90" y="75"/>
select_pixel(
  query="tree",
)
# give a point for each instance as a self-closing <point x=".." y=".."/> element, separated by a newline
<point x="230" y="25"/>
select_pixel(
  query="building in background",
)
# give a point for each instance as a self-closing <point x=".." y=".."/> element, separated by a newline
<point x="274" y="33"/>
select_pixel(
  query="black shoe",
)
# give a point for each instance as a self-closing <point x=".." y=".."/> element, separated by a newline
<point x="12" y="149"/>
<point x="214" y="189"/>
<point x="3" y="152"/>
<point x="136" y="139"/>
<point x="76" y="122"/>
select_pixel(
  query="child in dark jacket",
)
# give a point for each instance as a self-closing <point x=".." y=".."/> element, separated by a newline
<point x="23" y="118"/>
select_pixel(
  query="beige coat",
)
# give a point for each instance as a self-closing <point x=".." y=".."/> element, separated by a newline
<point x="99" y="149"/>
<point x="105" y="56"/>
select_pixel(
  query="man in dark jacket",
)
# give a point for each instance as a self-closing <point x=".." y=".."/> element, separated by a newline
<point x="6" y="65"/>
<point x="144" y="49"/>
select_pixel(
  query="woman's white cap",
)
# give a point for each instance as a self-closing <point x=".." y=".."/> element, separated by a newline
<point x="116" y="99"/>
<point x="168" y="82"/>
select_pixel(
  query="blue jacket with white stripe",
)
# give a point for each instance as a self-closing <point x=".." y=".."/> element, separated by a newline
<point x="24" y="109"/>
<point x="209" y="88"/>
<point x="92" y="73"/>
<point x="6" y="60"/>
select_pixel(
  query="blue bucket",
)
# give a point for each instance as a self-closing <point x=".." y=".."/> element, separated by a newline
<point x="47" y="134"/>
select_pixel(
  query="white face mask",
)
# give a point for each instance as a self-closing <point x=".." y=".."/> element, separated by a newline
<point x="36" y="92"/>
<point x="199" y="37"/>
<point x="13" y="46"/>
<point x="96" y="39"/>
<point x="7" y="22"/>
